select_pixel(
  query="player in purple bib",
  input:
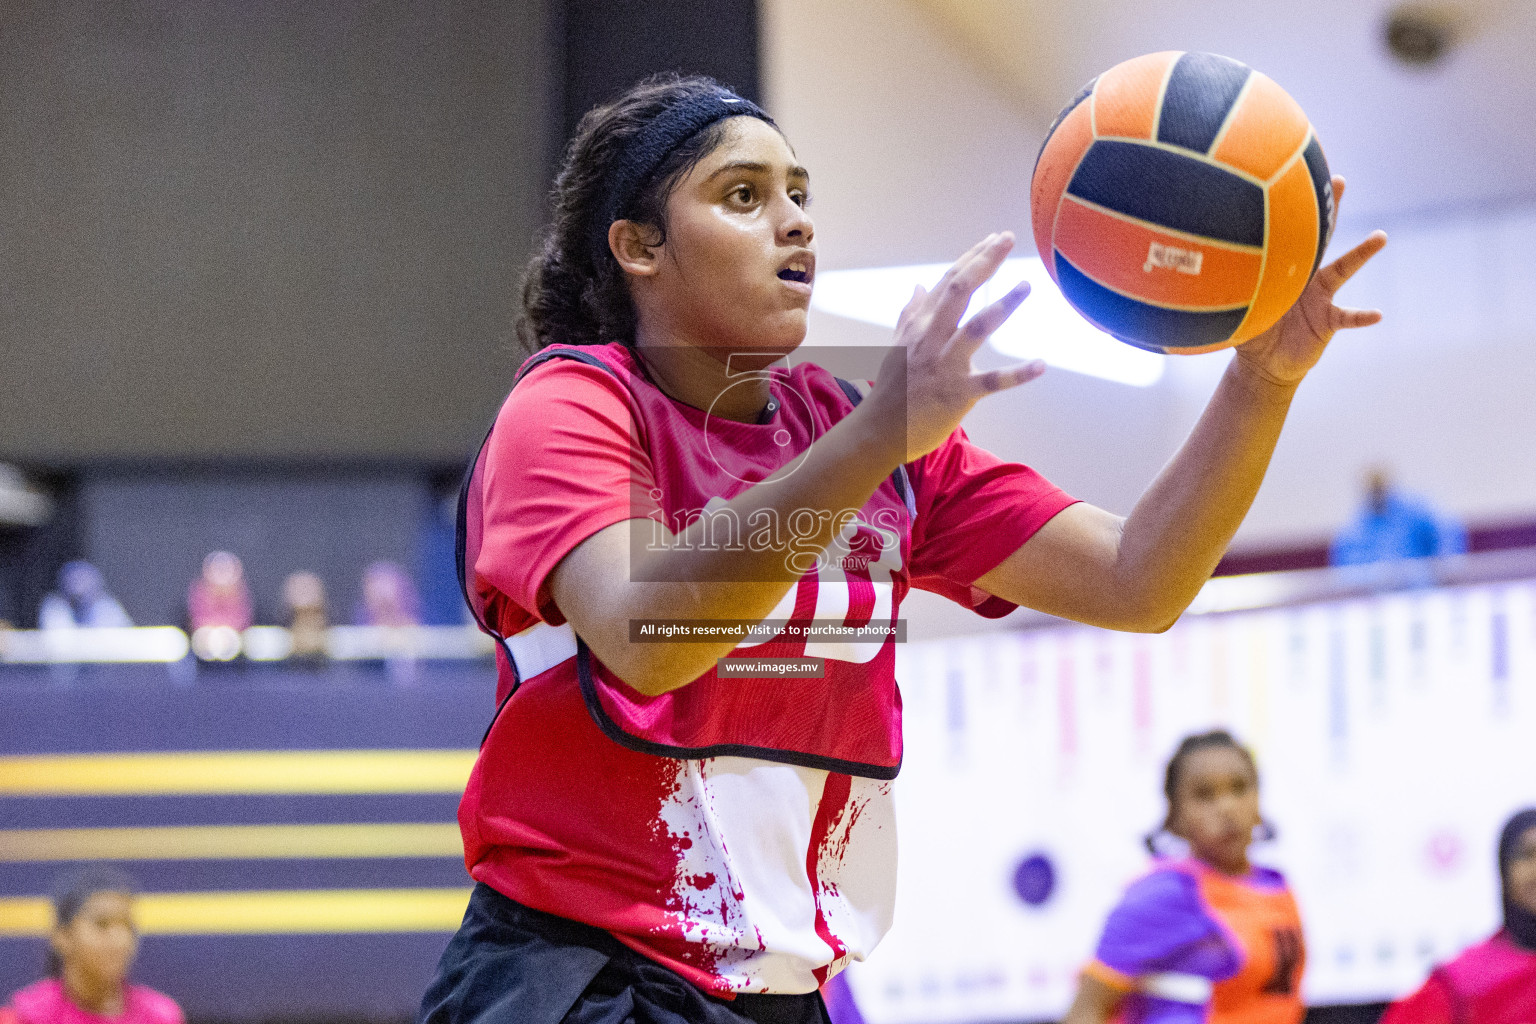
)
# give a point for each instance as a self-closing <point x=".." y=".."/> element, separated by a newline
<point x="1209" y="938"/>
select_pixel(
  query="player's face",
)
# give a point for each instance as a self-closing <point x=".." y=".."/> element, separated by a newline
<point x="740" y="254"/>
<point x="100" y="941"/>
<point x="1217" y="806"/>
<point x="1522" y="872"/>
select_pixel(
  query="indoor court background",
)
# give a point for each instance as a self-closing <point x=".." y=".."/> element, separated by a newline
<point x="258" y="274"/>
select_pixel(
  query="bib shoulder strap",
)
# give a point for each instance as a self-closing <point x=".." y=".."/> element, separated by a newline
<point x="560" y="352"/>
<point x="467" y="527"/>
<point x="900" y="479"/>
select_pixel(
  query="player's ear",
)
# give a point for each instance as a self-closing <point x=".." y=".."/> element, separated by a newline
<point x="59" y="941"/>
<point x="1172" y="826"/>
<point x="635" y="246"/>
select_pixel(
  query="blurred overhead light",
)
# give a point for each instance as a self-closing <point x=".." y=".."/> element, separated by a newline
<point x="1044" y="327"/>
<point x="216" y="643"/>
<point x="87" y="646"/>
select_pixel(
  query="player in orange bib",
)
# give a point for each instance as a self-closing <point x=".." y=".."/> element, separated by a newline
<point x="1208" y="938"/>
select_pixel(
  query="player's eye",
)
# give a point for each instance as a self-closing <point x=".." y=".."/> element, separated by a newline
<point x="800" y="197"/>
<point x="743" y="194"/>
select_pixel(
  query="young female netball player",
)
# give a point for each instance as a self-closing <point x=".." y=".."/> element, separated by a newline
<point x="658" y="839"/>
<point x="1208" y="937"/>
<point x="90" y="950"/>
<point x="1493" y="982"/>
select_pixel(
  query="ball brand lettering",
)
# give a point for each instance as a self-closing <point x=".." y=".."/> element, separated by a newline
<point x="1171" y="257"/>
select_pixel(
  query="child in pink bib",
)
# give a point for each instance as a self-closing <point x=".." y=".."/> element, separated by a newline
<point x="91" y="948"/>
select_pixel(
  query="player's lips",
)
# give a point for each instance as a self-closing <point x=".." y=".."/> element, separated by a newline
<point x="799" y="269"/>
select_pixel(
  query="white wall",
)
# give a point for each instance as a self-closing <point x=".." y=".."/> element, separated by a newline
<point x="915" y="154"/>
<point x="1391" y="733"/>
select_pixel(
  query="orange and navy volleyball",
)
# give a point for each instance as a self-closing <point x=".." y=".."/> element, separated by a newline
<point x="1181" y="202"/>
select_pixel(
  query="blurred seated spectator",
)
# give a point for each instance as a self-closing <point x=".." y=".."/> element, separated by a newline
<point x="1493" y="982"/>
<point x="219" y="608"/>
<point x="81" y="600"/>
<point x="389" y="597"/>
<point x="220" y="597"/>
<point x="1392" y="525"/>
<point x="304" y="598"/>
<point x="91" y="948"/>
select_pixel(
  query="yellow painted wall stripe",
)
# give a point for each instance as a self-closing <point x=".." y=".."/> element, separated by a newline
<point x="231" y="842"/>
<point x="237" y="772"/>
<point x="268" y="912"/>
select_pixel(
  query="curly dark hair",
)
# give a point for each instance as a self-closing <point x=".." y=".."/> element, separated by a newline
<point x="573" y="292"/>
<point x="73" y="892"/>
<point x="1216" y="738"/>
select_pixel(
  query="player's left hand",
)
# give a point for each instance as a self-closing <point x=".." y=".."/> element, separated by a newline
<point x="1284" y="353"/>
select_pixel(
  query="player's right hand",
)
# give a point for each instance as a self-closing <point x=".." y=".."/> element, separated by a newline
<point x="927" y="380"/>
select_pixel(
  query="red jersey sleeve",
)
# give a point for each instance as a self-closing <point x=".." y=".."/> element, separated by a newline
<point x="973" y="511"/>
<point x="1431" y="1004"/>
<point x="562" y="462"/>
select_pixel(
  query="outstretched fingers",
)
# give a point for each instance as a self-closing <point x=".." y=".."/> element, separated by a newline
<point x="1345" y="319"/>
<point x="953" y="293"/>
<point x="912" y="308"/>
<point x="989" y="382"/>
<point x="932" y="295"/>
<point x="982" y="326"/>
<point x="1332" y="277"/>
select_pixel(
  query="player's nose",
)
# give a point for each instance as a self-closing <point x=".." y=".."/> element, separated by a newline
<point x="795" y="224"/>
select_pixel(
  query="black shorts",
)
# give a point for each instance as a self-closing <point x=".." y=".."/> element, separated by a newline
<point x="510" y="964"/>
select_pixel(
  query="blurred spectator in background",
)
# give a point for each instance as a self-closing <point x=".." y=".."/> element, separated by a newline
<point x="220" y="597"/>
<point x="91" y="948"/>
<point x="219" y="608"/>
<point x="1493" y="982"/>
<point x="1393" y="525"/>
<point x="389" y="597"/>
<point x="81" y="600"/>
<point x="390" y="601"/>
<point x="304" y="598"/>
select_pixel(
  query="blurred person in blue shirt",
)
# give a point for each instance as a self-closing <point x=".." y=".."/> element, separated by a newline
<point x="1393" y="525"/>
<point x="81" y="600"/>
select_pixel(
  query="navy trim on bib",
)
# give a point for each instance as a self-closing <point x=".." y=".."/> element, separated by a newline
<point x="615" y="732"/>
<point x="461" y="523"/>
